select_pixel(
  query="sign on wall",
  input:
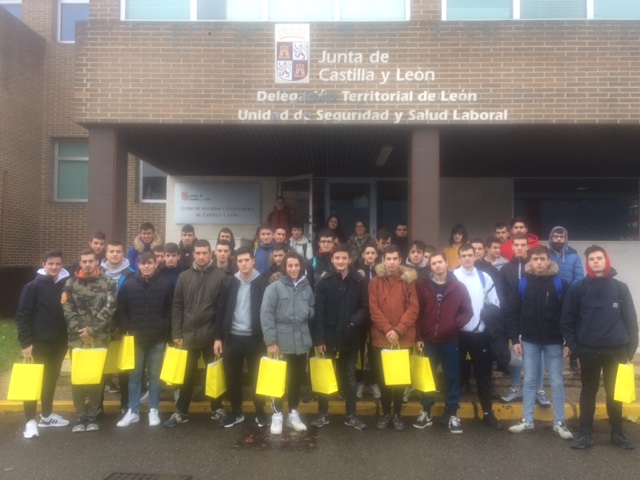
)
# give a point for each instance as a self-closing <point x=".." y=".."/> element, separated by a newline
<point x="292" y="53"/>
<point x="217" y="203"/>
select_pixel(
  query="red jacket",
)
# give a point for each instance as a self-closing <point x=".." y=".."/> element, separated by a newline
<point x="441" y="323"/>
<point x="280" y="218"/>
<point x="393" y="305"/>
<point x="506" y="249"/>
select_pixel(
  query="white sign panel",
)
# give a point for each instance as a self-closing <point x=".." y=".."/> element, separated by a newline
<point x="217" y="203"/>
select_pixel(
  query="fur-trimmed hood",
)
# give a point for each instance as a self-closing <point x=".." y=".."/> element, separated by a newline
<point x="139" y="245"/>
<point x="407" y="274"/>
<point x="552" y="270"/>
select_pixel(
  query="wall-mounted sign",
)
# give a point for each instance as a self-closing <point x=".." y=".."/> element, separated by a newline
<point x="292" y="53"/>
<point x="217" y="203"/>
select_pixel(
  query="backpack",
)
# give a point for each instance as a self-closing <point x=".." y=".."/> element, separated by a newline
<point x="556" y="281"/>
<point x="496" y="330"/>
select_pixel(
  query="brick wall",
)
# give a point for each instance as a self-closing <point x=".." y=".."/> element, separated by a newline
<point x="22" y="68"/>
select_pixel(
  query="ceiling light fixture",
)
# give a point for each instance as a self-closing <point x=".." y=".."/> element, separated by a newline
<point x="383" y="156"/>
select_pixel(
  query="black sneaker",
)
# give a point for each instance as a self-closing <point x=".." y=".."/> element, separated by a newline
<point x="320" y="420"/>
<point x="219" y="415"/>
<point x="176" y="419"/>
<point x="262" y="419"/>
<point x="233" y="419"/>
<point x="583" y="441"/>
<point x="383" y="422"/>
<point x="355" y="422"/>
<point x="454" y="425"/>
<point x="398" y="424"/>
<point x="620" y="441"/>
<point x="491" y="421"/>
<point x="423" y="421"/>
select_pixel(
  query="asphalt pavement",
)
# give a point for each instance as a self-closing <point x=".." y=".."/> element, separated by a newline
<point x="204" y="450"/>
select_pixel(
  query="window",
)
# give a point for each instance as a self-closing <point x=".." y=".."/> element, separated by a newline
<point x="616" y="9"/>
<point x="267" y="10"/>
<point x="479" y="10"/>
<point x="71" y="175"/>
<point x="553" y="9"/>
<point x="153" y="184"/>
<point x="595" y="209"/>
<point x="13" y="7"/>
<point x="70" y="12"/>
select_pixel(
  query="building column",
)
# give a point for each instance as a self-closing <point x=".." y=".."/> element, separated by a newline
<point x="107" y="208"/>
<point x="424" y="187"/>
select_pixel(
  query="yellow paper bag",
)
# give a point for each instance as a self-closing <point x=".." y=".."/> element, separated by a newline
<point x="127" y="354"/>
<point x="216" y="383"/>
<point x="111" y="363"/>
<point x="323" y="375"/>
<point x="87" y="365"/>
<point x="272" y="377"/>
<point x="26" y="381"/>
<point x="421" y="374"/>
<point x="625" y="390"/>
<point x="201" y="364"/>
<point x="174" y="366"/>
<point x="396" y="366"/>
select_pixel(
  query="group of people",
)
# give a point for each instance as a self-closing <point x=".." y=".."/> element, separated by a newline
<point x="347" y="301"/>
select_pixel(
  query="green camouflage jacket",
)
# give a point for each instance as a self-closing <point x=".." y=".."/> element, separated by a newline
<point x="89" y="302"/>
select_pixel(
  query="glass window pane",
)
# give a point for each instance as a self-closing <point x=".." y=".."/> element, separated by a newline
<point x="73" y="180"/>
<point x="14" y="9"/>
<point x="617" y="9"/>
<point x="154" y="183"/>
<point x="212" y="9"/>
<point x="479" y="9"/>
<point x="73" y="149"/>
<point x="300" y="10"/>
<point x="70" y="13"/>
<point x="379" y="10"/>
<point x="553" y="9"/>
<point x="158" y="10"/>
<point x="245" y="10"/>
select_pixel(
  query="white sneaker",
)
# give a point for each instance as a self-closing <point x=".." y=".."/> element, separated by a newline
<point x="31" y="429"/>
<point x="54" y="420"/>
<point x="276" y="423"/>
<point x="360" y="390"/>
<point x="522" y="426"/>
<point x="375" y="390"/>
<point x="560" y="429"/>
<point x="145" y="398"/>
<point x="293" y="421"/>
<point x="154" y="418"/>
<point x="128" y="419"/>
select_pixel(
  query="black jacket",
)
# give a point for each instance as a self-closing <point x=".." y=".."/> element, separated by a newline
<point x="341" y="310"/>
<point x="598" y="315"/>
<point x="510" y="276"/>
<point x="537" y="317"/>
<point x="227" y="305"/>
<point x="144" y="308"/>
<point x="40" y="316"/>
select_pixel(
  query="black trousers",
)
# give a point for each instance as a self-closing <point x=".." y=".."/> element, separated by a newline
<point x="591" y="364"/>
<point x="186" y="389"/>
<point x="51" y="356"/>
<point x="477" y="344"/>
<point x="296" y="371"/>
<point x="345" y="367"/>
<point x="237" y="349"/>
<point x="388" y="395"/>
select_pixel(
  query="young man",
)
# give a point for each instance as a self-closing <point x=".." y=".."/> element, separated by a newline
<point x="401" y="238"/>
<point x="393" y="305"/>
<point x="341" y="311"/>
<point x="280" y="215"/>
<point x="187" y="239"/>
<point x="88" y="302"/>
<point x="383" y="240"/>
<point x="223" y="256"/>
<point x="472" y="337"/>
<point x="171" y="269"/>
<point x="158" y="252"/>
<point x="42" y="333"/>
<point x="144" y="242"/>
<point x="360" y="240"/>
<point x="97" y="243"/>
<point x="501" y="232"/>
<point x="492" y="248"/>
<point x="238" y="335"/>
<point x="280" y="234"/>
<point x="265" y="247"/>
<point x="416" y="259"/>
<point x="144" y="311"/>
<point x="226" y="234"/>
<point x="445" y="307"/>
<point x="299" y="243"/>
<point x="510" y="276"/>
<point x="599" y="323"/>
<point x="322" y="260"/>
<point x="533" y="314"/>
<point x="279" y="251"/>
<point x="480" y="263"/>
<point x="195" y="304"/>
<point x="518" y="225"/>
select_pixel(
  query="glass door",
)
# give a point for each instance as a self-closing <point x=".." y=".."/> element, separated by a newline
<point x="351" y="200"/>
<point x="298" y="196"/>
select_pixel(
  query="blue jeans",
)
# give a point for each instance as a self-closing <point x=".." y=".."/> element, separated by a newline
<point x="531" y="356"/>
<point x="152" y="356"/>
<point x="447" y="353"/>
<point x="516" y="372"/>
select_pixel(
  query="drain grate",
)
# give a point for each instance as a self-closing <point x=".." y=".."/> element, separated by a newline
<point x="261" y="439"/>
<point x="146" y="476"/>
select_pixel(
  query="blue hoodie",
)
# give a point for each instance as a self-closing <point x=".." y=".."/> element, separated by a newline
<point x="567" y="259"/>
<point x="262" y="256"/>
